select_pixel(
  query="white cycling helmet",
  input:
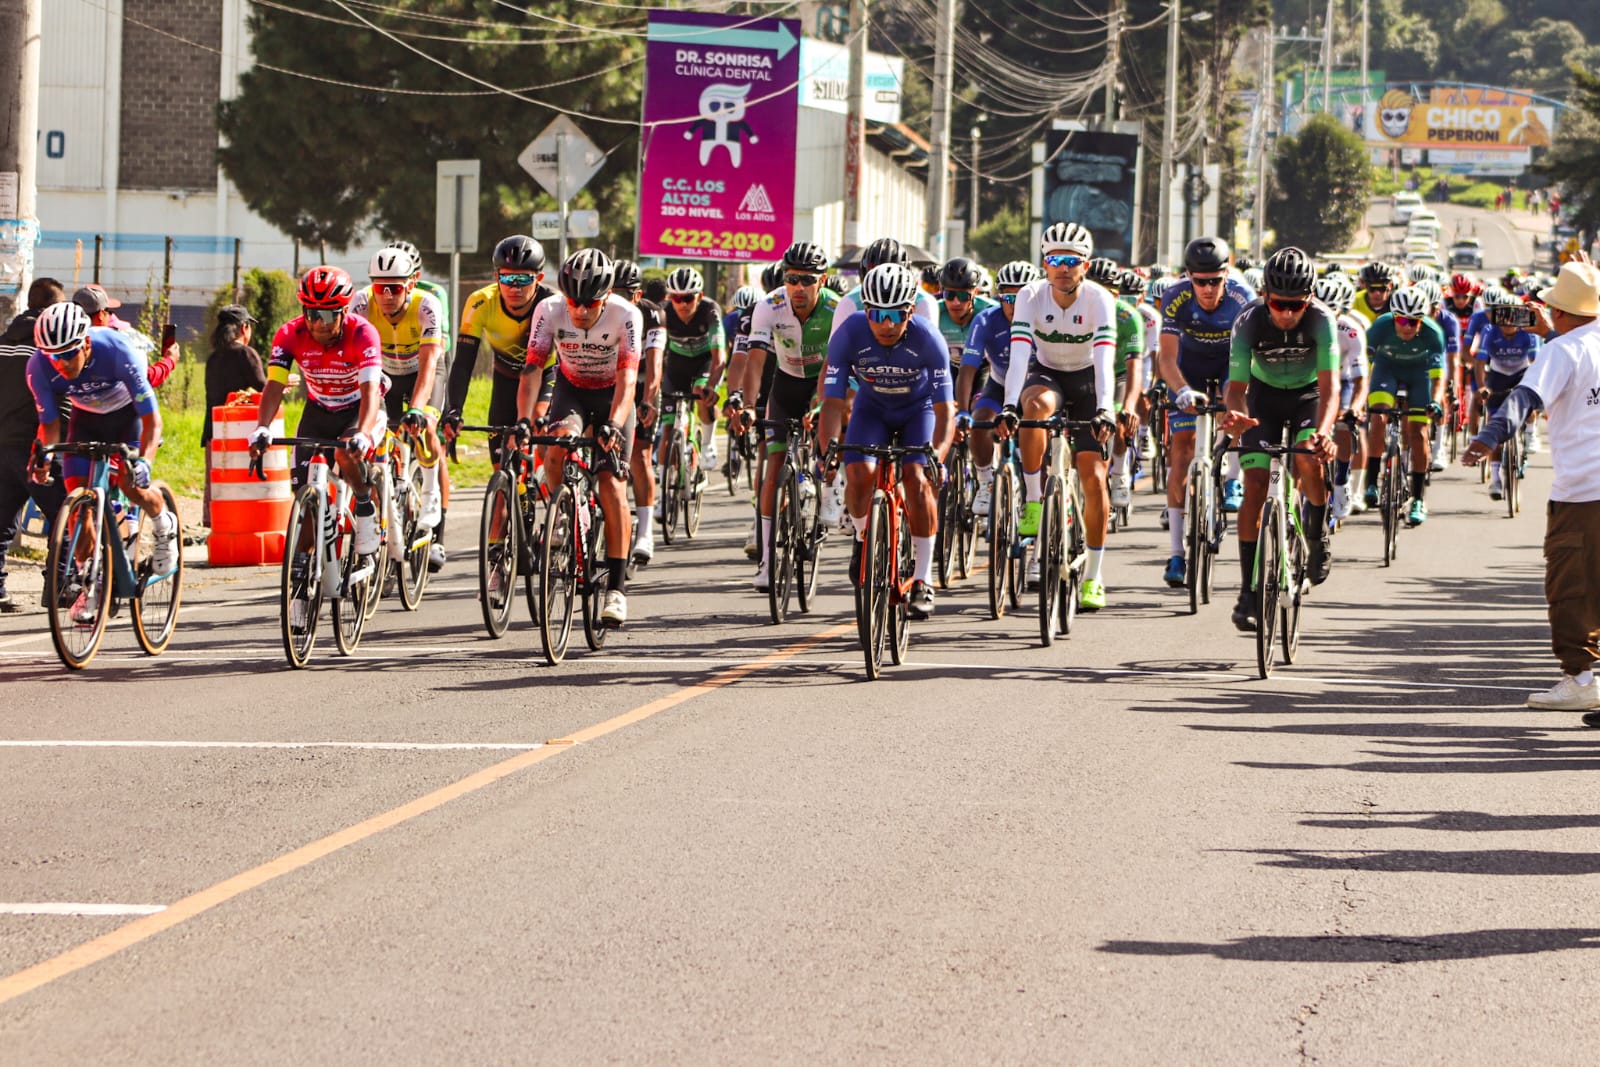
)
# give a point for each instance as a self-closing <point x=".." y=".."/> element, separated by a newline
<point x="745" y="298"/>
<point x="1335" y="290"/>
<point x="411" y="250"/>
<point x="1255" y="277"/>
<point x="60" y="328"/>
<point x="685" y="280"/>
<point x="391" y="263"/>
<point x="985" y="281"/>
<point x="890" y="285"/>
<point x="1431" y="290"/>
<point x="1067" y="237"/>
<point x="1411" y="302"/>
<point x="1018" y="272"/>
<point x="1499" y="296"/>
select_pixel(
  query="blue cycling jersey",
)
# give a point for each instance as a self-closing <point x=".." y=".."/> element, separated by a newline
<point x="989" y="341"/>
<point x="1205" y="338"/>
<point x="1452" y="331"/>
<point x="114" y="376"/>
<point x="1508" y="355"/>
<point x="913" y="373"/>
<point x="1476" y="324"/>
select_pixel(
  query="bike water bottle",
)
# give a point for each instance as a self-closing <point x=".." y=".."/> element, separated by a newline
<point x="808" y="489"/>
<point x="583" y="516"/>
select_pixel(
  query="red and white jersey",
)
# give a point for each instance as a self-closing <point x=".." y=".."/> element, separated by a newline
<point x="333" y="375"/>
<point x="589" y="359"/>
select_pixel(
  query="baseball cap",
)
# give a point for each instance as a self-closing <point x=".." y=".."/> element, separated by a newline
<point x="235" y="315"/>
<point x="93" y="299"/>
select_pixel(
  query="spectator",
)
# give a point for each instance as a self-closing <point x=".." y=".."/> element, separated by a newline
<point x="99" y="305"/>
<point x="19" y="425"/>
<point x="1562" y="383"/>
<point x="1533" y="202"/>
<point x="1499" y="201"/>
<point x="233" y="366"/>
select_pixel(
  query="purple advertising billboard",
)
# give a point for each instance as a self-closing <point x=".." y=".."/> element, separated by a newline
<point x="721" y="105"/>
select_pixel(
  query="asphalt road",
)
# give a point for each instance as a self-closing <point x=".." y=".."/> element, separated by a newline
<point x="1507" y="237"/>
<point x="716" y="843"/>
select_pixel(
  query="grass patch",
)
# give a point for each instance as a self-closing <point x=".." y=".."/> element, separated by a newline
<point x="1461" y="188"/>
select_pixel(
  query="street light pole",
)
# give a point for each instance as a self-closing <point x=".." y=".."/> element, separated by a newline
<point x="972" y="223"/>
<point x="1169" y="135"/>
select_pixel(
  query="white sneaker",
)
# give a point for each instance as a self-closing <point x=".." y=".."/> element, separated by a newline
<point x="1341" y="503"/>
<point x="83" y="612"/>
<point x="1567" y="695"/>
<point x="832" y="504"/>
<point x="1033" y="569"/>
<point x="432" y="510"/>
<point x="1147" y="445"/>
<point x="1166" y="520"/>
<point x="1121" y="495"/>
<point x="1358" y="499"/>
<point x="366" y="534"/>
<point x="1436" y="464"/>
<point x="497" y="584"/>
<point x="1530" y="440"/>
<point x="615" y="613"/>
<point x="644" y="547"/>
<point x="708" y="458"/>
<point x="299" y="613"/>
<point x="164" y="546"/>
<point x="436" y="558"/>
<point x="763" y="581"/>
<point x="1497" y="488"/>
<point x="983" y="502"/>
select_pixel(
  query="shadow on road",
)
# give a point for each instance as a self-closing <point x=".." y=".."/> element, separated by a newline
<point x="1470" y="944"/>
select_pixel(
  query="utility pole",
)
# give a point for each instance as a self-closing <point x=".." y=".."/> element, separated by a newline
<point x="21" y="25"/>
<point x="939" y="135"/>
<point x="1114" y="51"/>
<point x="1364" y="13"/>
<point x="855" y="124"/>
<point x="972" y="222"/>
<point x="1169" y="136"/>
<point x="1327" y="62"/>
<point x="1268" y="43"/>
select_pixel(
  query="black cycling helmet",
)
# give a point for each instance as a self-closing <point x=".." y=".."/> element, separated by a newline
<point x="1206" y="255"/>
<point x="1103" y="271"/>
<point x="960" y="273"/>
<point x="806" y="256"/>
<point x="883" y="250"/>
<point x="1377" y="273"/>
<point x="519" y="253"/>
<point x="1289" y="272"/>
<point x="836" y="283"/>
<point x="1131" y="283"/>
<point x="586" y="276"/>
<point x="930" y="276"/>
<point x="1244" y="262"/>
<point x="627" y="275"/>
<point x="772" y="276"/>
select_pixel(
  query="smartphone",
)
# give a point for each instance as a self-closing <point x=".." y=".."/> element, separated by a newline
<point x="1519" y="316"/>
<point x="169" y="334"/>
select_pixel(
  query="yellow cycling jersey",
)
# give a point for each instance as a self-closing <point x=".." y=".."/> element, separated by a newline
<point x="420" y="324"/>
<point x="1361" y="308"/>
<point x="486" y="320"/>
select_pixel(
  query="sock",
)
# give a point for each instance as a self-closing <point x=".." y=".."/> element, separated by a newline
<point x="766" y="536"/>
<point x="430" y="479"/>
<point x="860" y="525"/>
<point x="1316" y="522"/>
<point x="645" y="516"/>
<point x="1233" y="467"/>
<point x="986" y="475"/>
<point x="616" y="573"/>
<point x="708" y="434"/>
<point x="1247" y="564"/>
<point x="1419" y="482"/>
<point x="438" y="531"/>
<point x="1341" y="472"/>
<point x="1175" y="530"/>
<point x="1031" y="485"/>
<point x="1091" y="569"/>
<point x="1584" y="677"/>
<point x="1496" y="471"/>
<point x="922" y="549"/>
<point x="1111" y="468"/>
<point x="1372" y="470"/>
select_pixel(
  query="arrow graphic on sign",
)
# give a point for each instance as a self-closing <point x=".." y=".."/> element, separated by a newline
<point x="780" y="40"/>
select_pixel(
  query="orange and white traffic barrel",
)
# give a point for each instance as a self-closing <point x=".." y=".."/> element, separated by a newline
<point x="248" y="515"/>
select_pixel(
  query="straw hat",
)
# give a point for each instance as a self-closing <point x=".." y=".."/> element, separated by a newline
<point x="1576" y="291"/>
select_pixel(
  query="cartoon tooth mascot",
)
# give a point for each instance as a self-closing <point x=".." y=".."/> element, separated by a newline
<point x="722" y="122"/>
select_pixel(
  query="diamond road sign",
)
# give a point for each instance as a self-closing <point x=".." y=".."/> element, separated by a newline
<point x="562" y="159"/>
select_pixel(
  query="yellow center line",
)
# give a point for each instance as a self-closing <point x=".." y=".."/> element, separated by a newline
<point x="91" y="952"/>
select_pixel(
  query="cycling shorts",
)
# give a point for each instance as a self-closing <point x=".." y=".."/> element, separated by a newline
<point x="990" y="400"/>
<point x="1274" y="410"/>
<point x="871" y="425"/>
<point x="502" y="410"/>
<point x="122" y="426"/>
<point x="645" y="436"/>
<point x="1183" y="421"/>
<point x="397" y="401"/>
<point x="1417" y="381"/>
<point x="684" y="374"/>
<point x="1076" y="398"/>
<point x="791" y="398"/>
<point x="327" y="424"/>
<point x="1500" y="386"/>
<point x="575" y="410"/>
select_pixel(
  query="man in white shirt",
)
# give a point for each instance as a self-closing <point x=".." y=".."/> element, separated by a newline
<point x="1565" y="382"/>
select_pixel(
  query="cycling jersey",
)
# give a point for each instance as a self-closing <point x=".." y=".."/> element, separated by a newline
<point x="589" y="359"/>
<point x="1152" y="327"/>
<point x="1452" y="331"/>
<point x="439" y="294"/>
<point x="1204" y="337"/>
<point x="989" y="341"/>
<point x="730" y="330"/>
<point x="114" y="377"/>
<point x="1352" y="336"/>
<point x="955" y="334"/>
<point x="1425" y="349"/>
<point x="1283" y="359"/>
<point x="333" y="376"/>
<point x="403" y="340"/>
<point x="1130" y="336"/>
<point x="1073" y="338"/>
<point x="927" y="308"/>
<point x="912" y="373"/>
<point x="485" y="320"/>
<point x="801" y="348"/>
<point x="701" y="336"/>
<point x="1508" y="355"/>
<point x="1365" y="311"/>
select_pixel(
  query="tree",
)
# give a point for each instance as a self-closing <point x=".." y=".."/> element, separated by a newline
<point x="1542" y="53"/>
<point x="1001" y="238"/>
<point x="1574" y="159"/>
<point x="1324" y="181"/>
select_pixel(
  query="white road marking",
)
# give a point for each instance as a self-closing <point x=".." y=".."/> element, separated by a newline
<point x="371" y="746"/>
<point x="81" y="909"/>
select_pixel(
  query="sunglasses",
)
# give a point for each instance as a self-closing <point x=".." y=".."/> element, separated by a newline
<point x="1407" y="320"/>
<point x="1007" y="298"/>
<point x="1384" y="288"/>
<point x="1064" y="259"/>
<point x="590" y="306"/>
<point x="807" y="280"/>
<point x="892" y="316"/>
<point x="389" y="288"/>
<point x="957" y="296"/>
<point x="517" y="281"/>
<point x="1206" y="283"/>
<point x="684" y="298"/>
<point x="326" y="316"/>
<point x="1279" y="304"/>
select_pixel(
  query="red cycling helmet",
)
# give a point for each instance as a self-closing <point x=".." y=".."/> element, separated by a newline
<point x="325" y="287"/>
<point x="1461" y="285"/>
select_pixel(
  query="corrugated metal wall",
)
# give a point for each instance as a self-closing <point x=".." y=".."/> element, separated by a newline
<point x="72" y="95"/>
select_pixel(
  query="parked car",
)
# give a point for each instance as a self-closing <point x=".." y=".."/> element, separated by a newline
<point x="1466" y="252"/>
<point x="1403" y="206"/>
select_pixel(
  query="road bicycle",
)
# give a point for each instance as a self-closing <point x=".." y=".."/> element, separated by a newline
<point x="1059" y="546"/>
<point x="572" y="560"/>
<point x="510" y="532"/>
<point x="100" y="555"/>
<point x="397" y="487"/>
<point x="744" y="458"/>
<point x="1206" y="522"/>
<point x="883" y="582"/>
<point x="319" y="557"/>
<point x="796" y="533"/>
<point x="1008" y="565"/>
<point x="1158" y="395"/>
<point x="682" y="485"/>
<point x="1279" y="580"/>
<point x="1394" y="473"/>
<point x="956" y="544"/>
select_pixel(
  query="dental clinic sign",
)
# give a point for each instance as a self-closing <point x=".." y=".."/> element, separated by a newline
<point x="721" y="106"/>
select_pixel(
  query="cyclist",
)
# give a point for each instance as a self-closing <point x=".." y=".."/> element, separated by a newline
<point x="441" y="388"/>
<point x="989" y="344"/>
<point x="738" y="406"/>
<point x="1407" y="349"/>
<point x="790" y="325"/>
<point x="1130" y="376"/>
<point x="1063" y="344"/>
<point x="886" y="250"/>
<point x="696" y="354"/>
<point x="1197" y="316"/>
<point x="1282" y="375"/>
<point x="628" y="282"/>
<point x="1461" y="300"/>
<point x="1504" y="354"/>
<point x="498" y="316"/>
<point x="959" y="303"/>
<point x="1133" y="290"/>
<point x="593" y="335"/>
<point x="1335" y="291"/>
<point x="1378" y="280"/>
<point x="902" y="369"/>
<point x="100" y="381"/>
<point x="340" y="357"/>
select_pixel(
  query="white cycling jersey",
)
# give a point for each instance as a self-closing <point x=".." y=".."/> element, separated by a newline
<point x="801" y="347"/>
<point x="1065" y="339"/>
<point x="1352" y="335"/>
<point x="927" y="307"/>
<point x="589" y="359"/>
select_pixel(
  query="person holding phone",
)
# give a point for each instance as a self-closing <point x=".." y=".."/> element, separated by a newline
<point x="100" y="306"/>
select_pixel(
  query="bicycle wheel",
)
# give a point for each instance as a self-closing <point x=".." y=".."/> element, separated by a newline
<point x="899" y="612"/>
<point x="530" y="543"/>
<point x="383" y="497"/>
<point x="1389" y="507"/>
<point x="694" y="500"/>
<point x="808" y="544"/>
<point x="418" y="539"/>
<point x="780" y="547"/>
<point x="1213" y="522"/>
<point x="967" y="529"/>
<point x="872" y="595"/>
<point x="668" y="489"/>
<point x="1067" y="610"/>
<point x="1158" y="465"/>
<point x="305" y="523"/>
<point x="1195" y="533"/>
<point x="944" y="536"/>
<point x="735" y="464"/>
<point x="497" y="556"/>
<point x="1268" y="586"/>
<point x="1051" y="547"/>
<point x="1292" y="597"/>
<point x="155" y="606"/>
<point x="1002" y="538"/>
<point x="1510" y="473"/>
<point x="350" y="606"/>
<point x="558" y="575"/>
<point x="592" y="575"/>
<point x="78" y="568"/>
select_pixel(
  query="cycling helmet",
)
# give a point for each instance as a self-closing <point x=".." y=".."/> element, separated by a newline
<point x="1410" y="302"/>
<point x="1255" y="278"/>
<point x="1332" y="268"/>
<point x="1497" y="296"/>
<point x="1244" y="262"/>
<point x="883" y="250"/>
<point x="325" y="288"/>
<point x="1431" y="290"/>
<point x="1377" y="273"/>
<point x="411" y="250"/>
<point x="685" y="280"/>
<point x="390" y="263"/>
<point x="771" y="276"/>
<point x="519" y="253"/>
<point x="1018" y="272"/>
<point x="1067" y="237"/>
<point x="745" y="298"/>
<point x="1463" y="285"/>
<point x="1335" y="290"/>
<point x="625" y="274"/>
<point x="1130" y="284"/>
<point x="1289" y="272"/>
<point x="836" y="283"/>
<point x="930" y="277"/>
<point x="1423" y="272"/>
<point x="60" y="328"/>
<point x="804" y="255"/>
<point x="985" y="281"/>
<point x="959" y="273"/>
<point x="586" y="276"/>
<point x="1206" y="255"/>
<point x="1103" y="271"/>
<point x="889" y="285"/>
